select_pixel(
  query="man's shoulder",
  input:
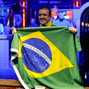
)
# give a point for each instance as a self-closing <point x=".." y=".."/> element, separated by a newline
<point x="66" y="20"/>
<point x="53" y="25"/>
<point x="55" y="21"/>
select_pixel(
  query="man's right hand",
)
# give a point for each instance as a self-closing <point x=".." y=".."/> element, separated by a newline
<point x="13" y="30"/>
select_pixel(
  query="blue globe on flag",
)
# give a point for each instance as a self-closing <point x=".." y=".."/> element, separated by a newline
<point x="36" y="55"/>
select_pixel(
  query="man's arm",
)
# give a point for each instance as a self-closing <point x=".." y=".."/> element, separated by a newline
<point x="71" y="29"/>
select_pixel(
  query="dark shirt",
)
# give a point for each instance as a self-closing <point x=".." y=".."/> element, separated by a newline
<point x="33" y="25"/>
<point x="16" y="9"/>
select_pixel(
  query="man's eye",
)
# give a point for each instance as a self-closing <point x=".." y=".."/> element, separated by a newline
<point x="39" y="14"/>
<point x="45" y="14"/>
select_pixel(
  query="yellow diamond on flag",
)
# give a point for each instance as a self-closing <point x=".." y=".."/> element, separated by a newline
<point x="59" y="60"/>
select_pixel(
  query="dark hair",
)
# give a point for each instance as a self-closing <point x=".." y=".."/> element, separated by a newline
<point x="47" y="8"/>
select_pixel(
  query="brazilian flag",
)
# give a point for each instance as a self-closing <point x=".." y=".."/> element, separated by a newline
<point x="46" y="56"/>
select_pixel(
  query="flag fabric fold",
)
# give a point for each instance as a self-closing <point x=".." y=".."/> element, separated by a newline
<point x="46" y="56"/>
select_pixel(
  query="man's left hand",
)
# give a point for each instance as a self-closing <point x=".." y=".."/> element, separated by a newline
<point x="72" y="29"/>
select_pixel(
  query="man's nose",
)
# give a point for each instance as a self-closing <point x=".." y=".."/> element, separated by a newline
<point x="42" y="16"/>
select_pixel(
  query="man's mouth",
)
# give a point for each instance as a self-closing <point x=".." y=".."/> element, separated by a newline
<point x="42" y="19"/>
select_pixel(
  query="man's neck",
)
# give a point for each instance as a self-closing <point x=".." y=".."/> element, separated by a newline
<point x="48" y="24"/>
<point x="43" y="25"/>
<point x="61" y="20"/>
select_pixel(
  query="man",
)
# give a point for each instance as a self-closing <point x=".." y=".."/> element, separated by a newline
<point x="44" y="19"/>
<point x="17" y="18"/>
<point x="33" y="23"/>
<point x="61" y="21"/>
<point x="4" y="12"/>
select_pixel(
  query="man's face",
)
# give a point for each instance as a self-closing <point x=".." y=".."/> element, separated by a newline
<point x="60" y="15"/>
<point x="44" y="16"/>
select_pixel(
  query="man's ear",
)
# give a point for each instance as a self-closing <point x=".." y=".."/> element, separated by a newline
<point x="50" y="17"/>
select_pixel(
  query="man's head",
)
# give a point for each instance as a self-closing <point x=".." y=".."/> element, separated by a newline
<point x="32" y="20"/>
<point x="60" y="15"/>
<point x="1" y="2"/>
<point x="44" y="15"/>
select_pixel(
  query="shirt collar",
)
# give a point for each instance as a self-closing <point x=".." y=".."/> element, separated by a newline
<point x="48" y="24"/>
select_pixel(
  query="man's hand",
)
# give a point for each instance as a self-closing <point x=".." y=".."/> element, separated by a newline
<point x="13" y="30"/>
<point x="72" y="29"/>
